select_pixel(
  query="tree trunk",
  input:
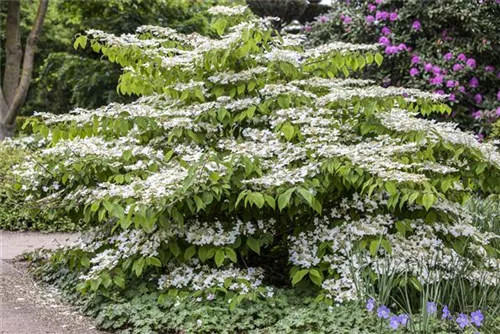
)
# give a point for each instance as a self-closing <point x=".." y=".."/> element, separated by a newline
<point x="16" y="81"/>
<point x="6" y="131"/>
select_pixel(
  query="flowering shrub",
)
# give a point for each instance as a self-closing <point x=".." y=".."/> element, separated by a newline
<point x="444" y="46"/>
<point x="250" y="162"/>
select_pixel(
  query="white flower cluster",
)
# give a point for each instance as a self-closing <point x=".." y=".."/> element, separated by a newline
<point x="226" y="78"/>
<point x="227" y="11"/>
<point x="203" y="278"/>
<point x="422" y="253"/>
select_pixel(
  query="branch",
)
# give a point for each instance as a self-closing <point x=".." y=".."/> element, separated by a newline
<point x="13" y="51"/>
<point x="29" y="56"/>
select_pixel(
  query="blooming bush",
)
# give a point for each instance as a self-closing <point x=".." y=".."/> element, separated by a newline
<point x="250" y="162"/>
<point x="444" y="46"/>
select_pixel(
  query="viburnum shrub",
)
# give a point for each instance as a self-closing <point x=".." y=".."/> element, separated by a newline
<point x="444" y="46"/>
<point x="251" y="162"/>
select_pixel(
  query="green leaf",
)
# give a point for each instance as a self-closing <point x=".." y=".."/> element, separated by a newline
<point x="119" y="281"/>
<point x="174" y="248"/>
<point x="284" y="198"/>
<point x="374" y="245"/>
<point x="231" y="254"/>
<point x="428" y="200"/>
<point x="219" y="257"/>
<point x="258" y="199"/>
<point x="154" y="261"/>
<point x="190" y="252"/>
<point x="378" y="59"/>
<point x="253" y="244"/>
<point x="288" y="130"/>
<point x="297" y="277"/>
<point x="316" y="277"/>
<point x="391" y="187"/>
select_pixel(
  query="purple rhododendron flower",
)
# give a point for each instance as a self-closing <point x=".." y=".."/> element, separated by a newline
<point x="458" y="67"/>
<point x="478" y="98"/>
<point x="378" y="2"/>
<point x="415" y="59"/>
<point x="448" y="56"/>
<point x="414" y="71"/>
<point x="498" y="111"/>
<point x="371" y="7"/>
<point x="386" y="31"/>
<point x="471" y="62"/>
<point x="383" y="312"/>
<point x="477" y="317"/>
<point x="489" y="68"/>
<point x="462" y="57"/>
<point x="476" y="114"/>
<point x="381" y="16"/>
<point x="437" y="80"/>
<point x="462" y="319"/>
<point x="307" y="28"/>
<point x="394" y="322"/>
<point x="461" y="89"/>
<point x="384" y="41"/>
<point x="474" y="82"/>
<point x="416" y="25"/>
<point x="370" y="304"/>
<point x="402" y="47"/>
<point x="440" y="92"/>
<point x="452" y="97"/>
<point x="323" y="19"/>
<point x="436" y="69"/>
<point x="370" y="19"/>
<point x="450" y="83"/>
<point x="393" y="16"/>
<point x="428" y="67"/>
<point x="347" y="20"/>
<point x="390" y="50"/>
<point x="446" y="312"/>
<point x="498" y="95"/>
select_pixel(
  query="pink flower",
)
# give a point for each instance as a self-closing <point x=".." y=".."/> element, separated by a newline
<point x="378" y="2"/>
<point x="489" y="68"/>
<point x="436" y="70"/>
<point x="450" y="83"/>
<point x="386" y="31"/>
<point x="498" y="111"/>
<point x="474" y="82"/>
<point x="440" y="92"/>
<point x="414" y="71"/>
<point x="402" y="47"/>
<point x="416" y="25"/>
<point x="371" y="7"/>
<point x="307" y="28"/>
<point x="415" y="59"/>
<point x="458" y="67"/>
<point x="448" y="56"/>
<point x="389" y="50"/>
<point x="461" y="89"/>
<point x="462" y="57"/>
<point x="384" y="41"/>
<point x="428" y="67"/>
<point x="478" y="98"/>
<point x="393" y="16"/>
<point x="370" y="19"/>
<point x="471" y="62"/>
<point x="452" y="97"/>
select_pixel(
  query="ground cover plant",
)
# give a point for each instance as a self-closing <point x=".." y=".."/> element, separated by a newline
<point x="443" y="46"/>
<point x="251" y="169"/>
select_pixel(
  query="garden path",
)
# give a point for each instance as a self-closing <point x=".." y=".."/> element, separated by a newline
<point x="25" y="306"/>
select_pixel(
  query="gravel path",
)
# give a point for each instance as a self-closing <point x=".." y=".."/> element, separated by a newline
<point x="27" y="307"/>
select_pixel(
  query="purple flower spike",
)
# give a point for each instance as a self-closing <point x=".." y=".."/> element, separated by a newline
<point x="383" y="312"/>
<point x="477" y="317"/>
<point x="462" y="320"/>
<point x="446" y="313"/>
<point x="474" y="82"/>
<point x="416" y="25"/>
<point x="431" y="307"/>
<point x="370" y="304"/>
<point x="394" y="322"/>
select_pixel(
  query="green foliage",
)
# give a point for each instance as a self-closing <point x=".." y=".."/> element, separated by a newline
<point x="15" y="214"/>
